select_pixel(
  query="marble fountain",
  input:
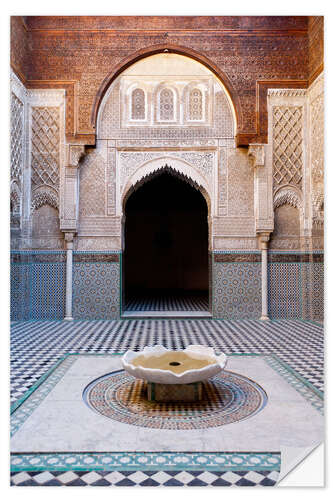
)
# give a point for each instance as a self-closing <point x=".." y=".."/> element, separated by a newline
<point x="174" y="375"/>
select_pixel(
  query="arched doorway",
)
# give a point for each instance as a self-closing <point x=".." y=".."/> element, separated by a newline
<point x="166" y="249"/>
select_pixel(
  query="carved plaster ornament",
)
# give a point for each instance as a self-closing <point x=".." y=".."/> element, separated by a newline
<point x="257" y="153"/>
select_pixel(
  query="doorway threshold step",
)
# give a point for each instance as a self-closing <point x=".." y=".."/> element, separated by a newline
<point x="166" y="314"/>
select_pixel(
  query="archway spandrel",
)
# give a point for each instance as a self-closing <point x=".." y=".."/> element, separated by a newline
<point x="132" y="177"/>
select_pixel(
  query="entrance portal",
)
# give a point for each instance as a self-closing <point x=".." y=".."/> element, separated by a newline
<point x="166" y="248"/>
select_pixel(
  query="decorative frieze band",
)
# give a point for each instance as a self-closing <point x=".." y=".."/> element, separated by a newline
<point x="287" y="92"/>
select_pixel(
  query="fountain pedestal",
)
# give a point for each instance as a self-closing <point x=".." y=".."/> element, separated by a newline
<point x="164" y="393"/>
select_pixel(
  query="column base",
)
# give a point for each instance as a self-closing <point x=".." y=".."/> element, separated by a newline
<point x="264" y="318"/>
<point x="68" y="318"/>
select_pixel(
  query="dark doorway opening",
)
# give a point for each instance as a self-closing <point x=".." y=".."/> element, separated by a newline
<point x="166" y="247"/>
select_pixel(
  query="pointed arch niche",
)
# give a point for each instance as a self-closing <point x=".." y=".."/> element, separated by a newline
<point x="166" y="243"/>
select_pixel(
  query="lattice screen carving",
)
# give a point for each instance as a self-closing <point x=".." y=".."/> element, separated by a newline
<point x="16" y="139"/>
<point x="138" y="105"/>
<point x="195" y="104"/>
<point x="317" y="138"/>
<point x="287" y="145"/>
<point x="45" y="146"/>
<point x="166" y="105"/>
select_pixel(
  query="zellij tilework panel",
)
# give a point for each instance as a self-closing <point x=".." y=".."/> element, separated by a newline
<point x="96" y="290"/>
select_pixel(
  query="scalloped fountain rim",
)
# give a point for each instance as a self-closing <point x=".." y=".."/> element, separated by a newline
<point x="163" y="376"/>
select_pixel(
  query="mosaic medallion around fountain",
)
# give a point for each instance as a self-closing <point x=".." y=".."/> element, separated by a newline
<point x="228" y="397"/>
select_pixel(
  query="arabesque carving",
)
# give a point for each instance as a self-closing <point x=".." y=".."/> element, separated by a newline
<point x="287" y="196"/>
<point x="44" y="197"/>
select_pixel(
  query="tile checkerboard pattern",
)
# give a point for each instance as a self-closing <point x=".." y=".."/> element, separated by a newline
<point x="144" y="478"/>
<point x="37" y="346"/>
<point x="168" y="302"/>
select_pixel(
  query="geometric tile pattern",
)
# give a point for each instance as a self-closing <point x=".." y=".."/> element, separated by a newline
<point x="301" y="385"/>
<point x="96" y="290"/>
<point x="318" y="289"/>
<point x="145" y="478"/>
<point x="23" y="409"/>
<point x="169" y="461"/>
<point x="19" y="292"/>
<point x="37" y="291"/>
<point x="237" y="290"/>
<point x="37" y="346"/>
<point x="227" y="398"/>
<point x="168" y="302"/>
<point x="285" y="290"/>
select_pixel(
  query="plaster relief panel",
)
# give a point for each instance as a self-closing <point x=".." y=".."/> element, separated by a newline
<point x="240" y="184"/>
<point x="92" y="185"/>
<point x="16" y="138"/>
<point x="45" y="146"/>
<point x="287" y="145"/>
<point x="286" y="234"/>
<point x="166" y="96"/>
<point x="316" y="101"/>
<point x="197" y="166"/>
<point x="46" y="228"/>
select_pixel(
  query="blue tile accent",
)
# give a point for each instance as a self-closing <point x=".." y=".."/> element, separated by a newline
<point x="37" y="288"/>
<point x="96" y="290"/>
<point x="146" y="461"/>
<point x="284" y="285"/>
<point x="236" y="290"/>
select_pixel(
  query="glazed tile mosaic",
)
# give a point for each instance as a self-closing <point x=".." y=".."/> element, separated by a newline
<point x="36" y="346"/>
<point x="285" y="285"/>
<point x="236" y="290"/>
<point x="96" y="290"/>
<point x="227" y="398"/>
<point x="37" y="285"/>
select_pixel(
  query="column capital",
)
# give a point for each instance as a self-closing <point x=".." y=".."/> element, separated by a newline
<point x="257" y="153"/>
<point x="263" y="239"/>
<point x="69" y="240"/>
<point x="74" y="154"/>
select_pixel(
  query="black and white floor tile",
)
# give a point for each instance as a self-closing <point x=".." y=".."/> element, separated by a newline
<point x="144" y="478"/>
<point x="168" y="302"/>
<point x="37" y="346"/>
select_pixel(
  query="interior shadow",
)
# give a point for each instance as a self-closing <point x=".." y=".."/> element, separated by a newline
<point x="166" y="246"/>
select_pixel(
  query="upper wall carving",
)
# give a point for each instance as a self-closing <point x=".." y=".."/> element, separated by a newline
<point x="246" y="52"/>
<point x="178" y="99"/>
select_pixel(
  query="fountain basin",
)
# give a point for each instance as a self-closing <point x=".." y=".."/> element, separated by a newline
<point x="164" y="366"/>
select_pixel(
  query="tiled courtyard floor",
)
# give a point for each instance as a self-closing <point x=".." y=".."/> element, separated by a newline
<point x="36" y="346"/>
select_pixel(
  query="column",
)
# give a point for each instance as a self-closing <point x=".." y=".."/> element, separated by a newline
<point x="263" y="240"/>
<point x="69" y="275"/>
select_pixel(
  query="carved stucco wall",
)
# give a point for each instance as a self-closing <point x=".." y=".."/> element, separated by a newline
<point x="203" y="152"/>
<point x="316" y="133"/>
<point x="288" y="144"/>
<point x="17" y="154"/>
<point x="37" y="144"/>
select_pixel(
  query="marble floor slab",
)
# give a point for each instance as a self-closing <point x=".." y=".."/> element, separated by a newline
<point x="55" y="418"/>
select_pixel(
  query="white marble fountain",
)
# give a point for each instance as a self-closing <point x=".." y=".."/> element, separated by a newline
<point x="174" y="375"/>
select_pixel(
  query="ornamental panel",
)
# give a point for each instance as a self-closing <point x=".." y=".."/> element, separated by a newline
<point x="45" y="146"/>
<point x="16" y="138"/>
<point x="287" y="145"/>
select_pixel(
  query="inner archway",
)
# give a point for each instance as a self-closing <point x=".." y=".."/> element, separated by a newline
<point x="166" y="248"/>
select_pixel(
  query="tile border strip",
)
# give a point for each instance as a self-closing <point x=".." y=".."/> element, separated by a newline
<point x="131" y="461"/>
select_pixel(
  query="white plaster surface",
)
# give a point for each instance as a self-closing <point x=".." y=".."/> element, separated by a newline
<point x="64" y="423"/>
